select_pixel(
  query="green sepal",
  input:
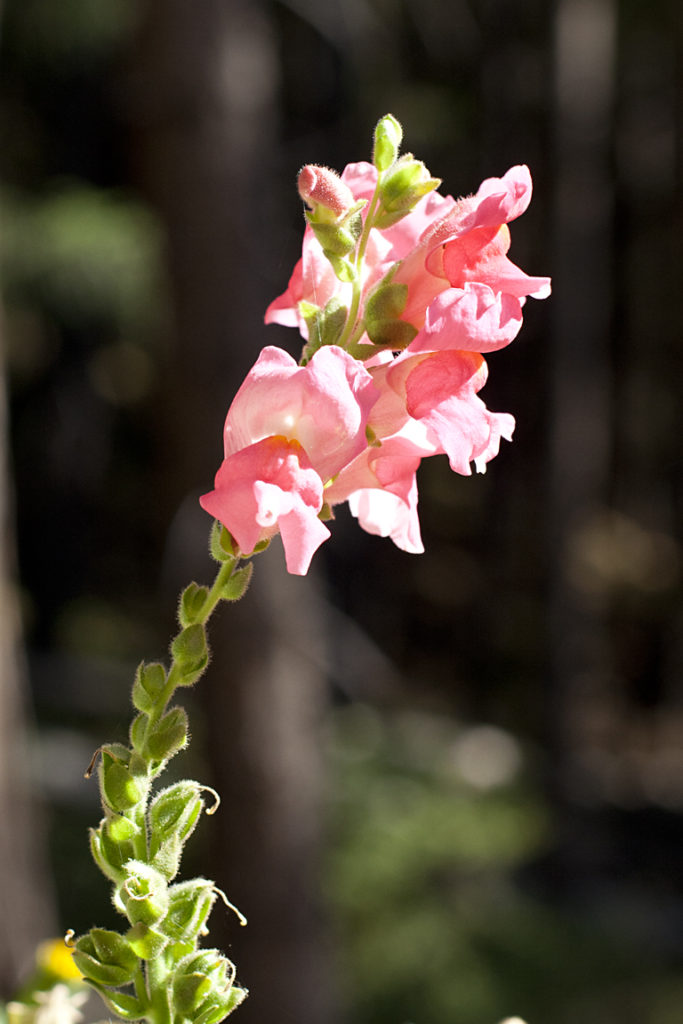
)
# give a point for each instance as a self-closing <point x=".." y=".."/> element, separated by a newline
<point x="236" y="585"/>
<point x="189" y="907"/>
<point x="121" y="829"/>
<point x="190" y="654"/>
<point x="334" y="239"/>
<point x="325" y="326"/>
<point x="167" y="857"/>
<point x="121" y="1003"/>
<point x="146" y="942"/>
<point x="343" y="270"/>
<point x="202" y="987"/>
<point x="169" y="735"/>
<point x="149" y="684"/>
<point x="234" y="997"/>
<point x="392" y="334"/>
<point x="222" y="545"/>
<point x="144" y="893"/>
<point x="386" y="301"/>
<point x="113" y="871"/>
<point x="388" y="138"/>
<point x="405" y="184"/>
<point x="121" y="789"/>
<point x="105" y="957"/>
<point x="138" y="732"/>
<point x="192" y="601"/>
<point x="174" y="812"/>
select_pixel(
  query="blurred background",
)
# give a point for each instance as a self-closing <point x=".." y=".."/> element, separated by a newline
<point x="452" y="783"/>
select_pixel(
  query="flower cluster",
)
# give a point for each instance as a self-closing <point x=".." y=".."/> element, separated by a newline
<point x="398" y="292"/>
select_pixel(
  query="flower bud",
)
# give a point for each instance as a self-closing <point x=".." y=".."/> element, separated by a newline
<point x="110" y="867"/>
<point x="388" y="137"/>
<point x="383" y="309"/>
<point x="175" y="812"/>
<point x="169" y="735"/>
<point x="190" y="654"/>
<point x="189" y="906"/>
<point x="121" y="788"/>
<point x="106" y="957"/>
<point x="202" y="988"/>
<point x="149" y="684"/>
<point x="325" y="326"/>
<point x="405" y="184"/>
<point x="144" y="893"/>
<point x="324" y="192"/>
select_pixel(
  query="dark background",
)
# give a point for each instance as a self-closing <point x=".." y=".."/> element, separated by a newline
<point x="452" y="783"/>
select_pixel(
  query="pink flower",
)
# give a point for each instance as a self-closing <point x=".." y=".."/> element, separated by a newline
<point x="461" y="259"/>
<point x="381" y="488"/>
<point x="386" y="515"/>
<point x="432" y="398"/>
<point x="266" y="487"/>
<point x="324" y="406"/>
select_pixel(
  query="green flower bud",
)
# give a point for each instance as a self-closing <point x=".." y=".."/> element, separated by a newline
<point x="190" y="654"/>
<point x="202" y="987"/>
<point x="192" y="602"/>
<point x="144" y="893"/>
<point x="189" y="907"/>
<point x="383" y="308"/>
<point x="121" y="787"/>
<point x="169" y="735"/>
<point x="222" y="546"/>
<point x="175" y="812"/>
<point x="149" y="684"/>
<point x="393" y="334"/>
<point x="145" y="941"/>
<point x="236" y="585"/>
<point x="388" y="138"/>
<point x="386" y="301"/>
<point x="402" y="188"/>
<point x="110" y="867"/>
<point x="325" y="326"/>
<point x="105" y="957"/>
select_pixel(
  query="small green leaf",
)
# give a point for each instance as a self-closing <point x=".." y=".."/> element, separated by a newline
<point x="236" y="585"/>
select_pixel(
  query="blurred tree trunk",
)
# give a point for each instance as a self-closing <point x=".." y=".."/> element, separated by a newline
<point x="202" y="104"/>
<point x="26" y="911"/>
<point x="581" y="439"/>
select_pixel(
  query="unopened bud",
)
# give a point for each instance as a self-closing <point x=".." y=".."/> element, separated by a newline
<point x="189" y="907"/>
<point x="169" y="735"/>
<point x="190" y="654"/>
<point x="192" y="602"/>
<point x="106" y="957"/>
<point x="321" y="187"/>
<point x="121" y="788"/>
<point x="144" y="893"/>
<point x="150" y="681"/>
<point x="202" y="987"/>
<point x="388" y="137"/>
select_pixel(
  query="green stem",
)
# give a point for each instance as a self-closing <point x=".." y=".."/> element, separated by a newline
<point x="213" y="598"/>
<point x="350" y="329"/>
